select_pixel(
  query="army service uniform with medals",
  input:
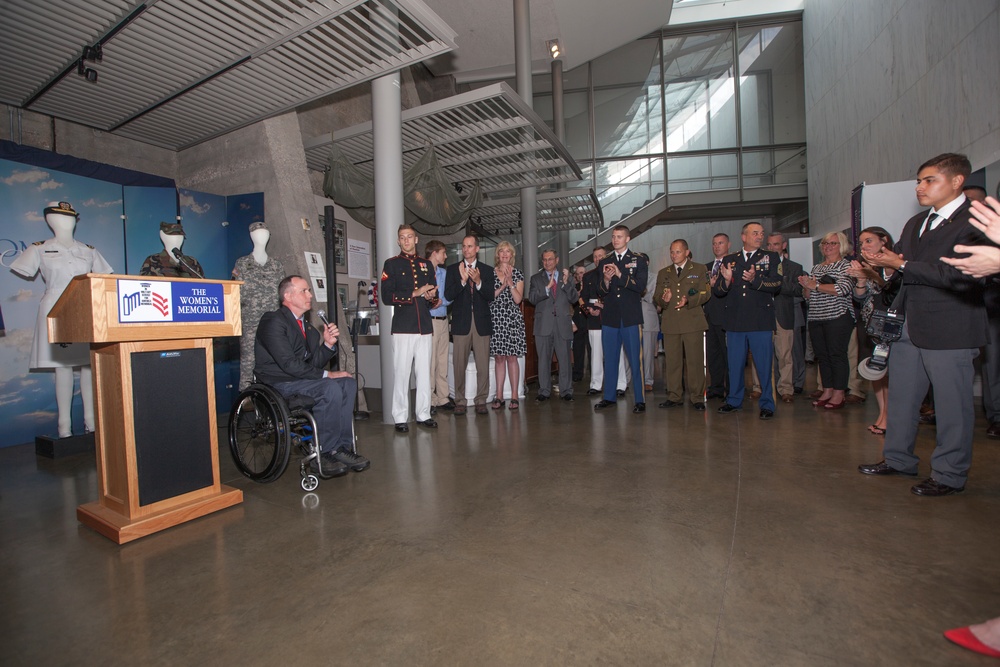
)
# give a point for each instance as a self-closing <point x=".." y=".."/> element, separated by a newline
<point x="258" y="295"/>
<point x="412" y="332"/>
<point x="749" y="320"/>
<point x="683" y="328"/>
<point x="621" y="320"/>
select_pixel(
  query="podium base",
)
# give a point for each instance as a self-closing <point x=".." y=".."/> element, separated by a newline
<point x="57" y="448"/>
<point x="121" y="529"/>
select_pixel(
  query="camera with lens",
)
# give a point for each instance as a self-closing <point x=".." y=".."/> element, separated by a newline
<point x="885" y="327"/>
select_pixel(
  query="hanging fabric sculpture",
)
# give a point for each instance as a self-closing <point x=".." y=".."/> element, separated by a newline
<point x="431" y="203"/>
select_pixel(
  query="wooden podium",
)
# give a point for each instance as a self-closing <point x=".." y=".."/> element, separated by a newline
<point x="154" y="395"/>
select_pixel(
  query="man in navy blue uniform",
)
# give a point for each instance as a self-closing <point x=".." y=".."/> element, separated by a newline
<point x="409" y="285"/>
<point x="748" y="281"/>
<point x="623" y="280"/>
<point x="290" y="355"/>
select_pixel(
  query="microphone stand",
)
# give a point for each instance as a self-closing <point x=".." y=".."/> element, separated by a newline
<point x="355" y="330"/>
<point x="190" y="269"/>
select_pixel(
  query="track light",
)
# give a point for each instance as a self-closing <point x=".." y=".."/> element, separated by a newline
<point x="94" y="54"/>
<point x="553" y="47"/>
<point x="86" y="72"/>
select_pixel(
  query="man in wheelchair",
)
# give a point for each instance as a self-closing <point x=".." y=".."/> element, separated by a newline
<point x="290" y="356"/>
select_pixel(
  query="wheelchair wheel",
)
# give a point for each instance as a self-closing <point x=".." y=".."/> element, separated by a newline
<point x="310" y="482"/>
<point x="259" y="434"/>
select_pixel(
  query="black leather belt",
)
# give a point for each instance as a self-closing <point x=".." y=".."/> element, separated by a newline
<point x="435" y="317"/>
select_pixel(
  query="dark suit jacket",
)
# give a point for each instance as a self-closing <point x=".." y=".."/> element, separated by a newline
<point x="591" y="297"/>
<point x="553" y="312"/>
<point x="283" y="355"/>
<point x="623" y="294"/>
<point x="784" y="301"/>
<point x="749" y="306"/>
<point x="944" y="307"/>
<point x="715" y="309"/>
<point x="468" y="302"/>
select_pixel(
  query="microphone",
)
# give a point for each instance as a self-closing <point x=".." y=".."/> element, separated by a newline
<point x="322" y="316"/>
<point x="180" y="258"/>
<point x="177" y="252"/>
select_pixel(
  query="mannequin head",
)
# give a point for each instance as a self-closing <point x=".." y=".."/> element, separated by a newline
<point x="61" y="219"/>
<point x="172" y="236"/>
<point x="259" y="234"/>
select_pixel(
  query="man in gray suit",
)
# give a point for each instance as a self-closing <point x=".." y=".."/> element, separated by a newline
<point x="553" y="295"/>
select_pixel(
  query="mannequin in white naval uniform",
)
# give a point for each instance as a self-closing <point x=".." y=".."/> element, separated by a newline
<point x="59" y="260"/>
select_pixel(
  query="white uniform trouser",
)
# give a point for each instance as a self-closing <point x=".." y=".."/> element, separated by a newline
<point x="597" y="364"/>
<point x="411" y="350"/>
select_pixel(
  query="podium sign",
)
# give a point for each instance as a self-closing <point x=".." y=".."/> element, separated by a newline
<point x="154" y="396"/>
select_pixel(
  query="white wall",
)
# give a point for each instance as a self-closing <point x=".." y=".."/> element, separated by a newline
<point x="890" y="84"/>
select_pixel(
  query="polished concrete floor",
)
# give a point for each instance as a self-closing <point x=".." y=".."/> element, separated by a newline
<point x="552" y="535"/>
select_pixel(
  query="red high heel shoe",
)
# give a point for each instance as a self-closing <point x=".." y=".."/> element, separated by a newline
<point x="964" y="638"/>
<point x="834" y="406"/>
<point x="820" y="402"/>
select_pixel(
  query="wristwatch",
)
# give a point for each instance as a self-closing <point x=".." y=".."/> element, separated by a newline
<point x="902" y="266"/>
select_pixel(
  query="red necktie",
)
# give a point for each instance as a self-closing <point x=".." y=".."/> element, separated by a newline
<point x="302" y="327"/>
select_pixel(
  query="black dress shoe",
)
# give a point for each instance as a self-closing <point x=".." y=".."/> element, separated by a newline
<point x="361" y="416"/>
<point x="671" y="404"/>
<point x="700" y="407"/>
<point x="591" y="392"/>
<point x="726" y="408"/>
<point x="993" y="431"/>
<point x="434" y="410"/>
<point x="932" y="487"/>
<point x="402" y="428"/>
<point x="567" y="397"/>
<point x="601" y="404"/>
<point x="541" y="399"/>
<point x="450" y="405"/>
<point x="429" y="423"/>
<point x="766" y="414"/>
<point x="713" y="394"/>
<point x="930" y="419"/>
<point x="797" y="391"/>
<point x="639" y="408"/>
<point x="882" y="468"/>
<point x="620" y="392"/>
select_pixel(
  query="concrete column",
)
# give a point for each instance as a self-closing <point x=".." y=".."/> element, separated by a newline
<point x="522" y="66"/>
<point x="559" y="127"/>
<point x="387" y="140"/>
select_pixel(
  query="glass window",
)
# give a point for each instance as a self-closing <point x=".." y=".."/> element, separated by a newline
<point x="772" y="93"/>
<point x="626" y="185"/>
<point x="628" y="119"/>
<point x="702" y="172"/>
<point x="700" y="91"/>
<point x="777" y="166"/>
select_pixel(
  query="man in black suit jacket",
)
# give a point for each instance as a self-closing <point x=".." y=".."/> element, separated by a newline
<point x="623" y="280"/>
<point x="944" y="328"/>
<point x="748" y="281"/>
<point x="469" y="288"/>
<point x="290" y="356"/>
<point x="715" y="337"/>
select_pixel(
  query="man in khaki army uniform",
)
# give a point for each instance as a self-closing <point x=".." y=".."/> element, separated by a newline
<point x="166" y="263"/>
<point x="681" y="290"/>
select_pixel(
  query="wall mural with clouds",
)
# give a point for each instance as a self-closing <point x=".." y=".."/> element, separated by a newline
<point x="27" y="398"/>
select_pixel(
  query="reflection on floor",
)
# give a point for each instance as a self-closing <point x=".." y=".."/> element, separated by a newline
<point x="551" y="535"/>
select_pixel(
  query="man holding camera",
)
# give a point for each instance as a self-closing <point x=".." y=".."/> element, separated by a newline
<point x="944" y="327"/>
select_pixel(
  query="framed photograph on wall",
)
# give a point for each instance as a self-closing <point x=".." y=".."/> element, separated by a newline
<point x="341" y="246"/>
<point x="342" y="293"/>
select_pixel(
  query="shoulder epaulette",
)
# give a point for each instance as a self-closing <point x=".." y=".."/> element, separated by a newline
<point x="38" y="243"/>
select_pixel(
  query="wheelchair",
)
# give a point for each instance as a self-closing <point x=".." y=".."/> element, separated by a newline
<point x="263" y="428"/>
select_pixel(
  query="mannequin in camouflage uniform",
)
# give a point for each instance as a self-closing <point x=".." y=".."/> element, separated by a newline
<point x="164" y="263"/>
<point x="259" y="294"/>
